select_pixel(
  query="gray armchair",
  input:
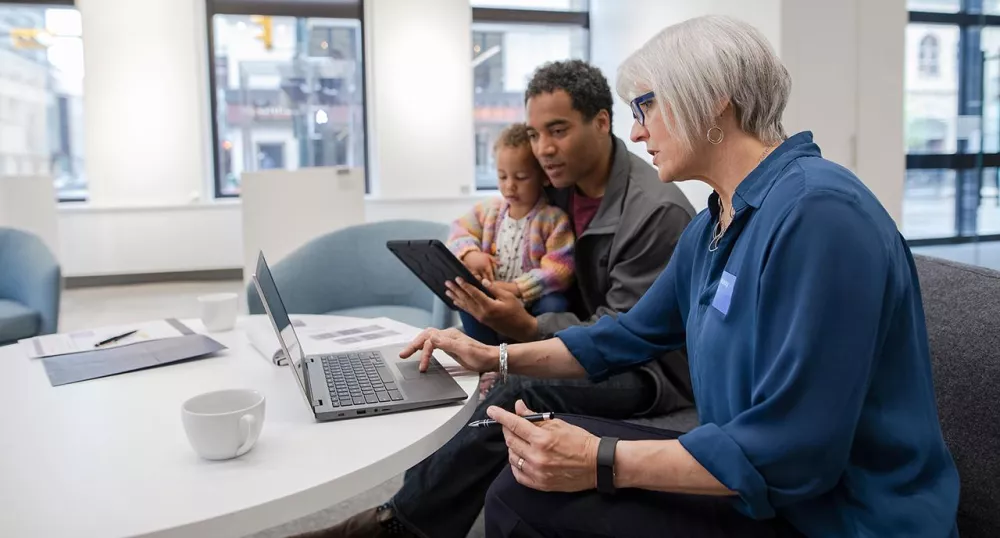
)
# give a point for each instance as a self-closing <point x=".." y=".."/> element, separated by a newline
<point x="350" y="272"/>
<point x="30" y="287"/>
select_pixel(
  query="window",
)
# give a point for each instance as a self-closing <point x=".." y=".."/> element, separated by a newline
<point x="928" y="60"/>
<point x="41" y="95"/>
<point x="288" y="87"/>
<point x="507" y="46"/>
<point x="952" y="130"/>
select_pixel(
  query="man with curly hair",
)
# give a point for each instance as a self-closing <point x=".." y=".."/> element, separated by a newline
<point x="627" y="223"/>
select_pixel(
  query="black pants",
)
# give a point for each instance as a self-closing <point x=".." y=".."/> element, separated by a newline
<point x="442" y="496"/>
<point x="513" y="510"/>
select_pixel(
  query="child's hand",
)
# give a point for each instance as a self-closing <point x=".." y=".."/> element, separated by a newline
<point x="481" y="264"/>
<point x="509" y="287"/>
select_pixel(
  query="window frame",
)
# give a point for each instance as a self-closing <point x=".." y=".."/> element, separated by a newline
<point x="332" y="9"/>
<point x="530" y="17"/>
<point x="968" y="167"/>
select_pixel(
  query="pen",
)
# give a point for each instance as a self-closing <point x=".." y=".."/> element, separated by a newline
<point x="114" y="338"/>
<point x="538" y="417"/>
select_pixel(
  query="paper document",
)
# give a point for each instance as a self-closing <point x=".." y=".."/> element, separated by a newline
<point x="51" y="345"/>
<point x="138" y="355"/>
<point x="331" y="336"/>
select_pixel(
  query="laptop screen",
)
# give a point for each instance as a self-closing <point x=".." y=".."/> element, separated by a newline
<point x="279" y="316"/>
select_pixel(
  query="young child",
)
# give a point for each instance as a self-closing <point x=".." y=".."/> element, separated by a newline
<point x="519" y="242"/>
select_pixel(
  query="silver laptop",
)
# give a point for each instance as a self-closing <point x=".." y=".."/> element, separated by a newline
<point x="361" y="383"/>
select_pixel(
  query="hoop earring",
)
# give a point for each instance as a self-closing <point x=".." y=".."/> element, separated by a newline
<point x="715" y="135"/>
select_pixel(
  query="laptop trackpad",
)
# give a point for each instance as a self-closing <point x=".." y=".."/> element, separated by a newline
<point x="410" y="369"/>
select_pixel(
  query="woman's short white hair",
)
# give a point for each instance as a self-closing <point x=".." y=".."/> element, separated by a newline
<point x="696" y="66"/>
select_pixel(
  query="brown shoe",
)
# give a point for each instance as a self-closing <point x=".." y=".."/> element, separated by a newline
<point x="377" y="522"/>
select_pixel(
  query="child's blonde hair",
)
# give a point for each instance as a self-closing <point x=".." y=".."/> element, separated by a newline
<point x="514" y="135"/>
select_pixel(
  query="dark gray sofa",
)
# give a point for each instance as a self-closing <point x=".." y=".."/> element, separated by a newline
<point x="962" y="305"/>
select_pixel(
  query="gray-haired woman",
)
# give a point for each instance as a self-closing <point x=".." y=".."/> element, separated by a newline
<point x="800" y="308"/>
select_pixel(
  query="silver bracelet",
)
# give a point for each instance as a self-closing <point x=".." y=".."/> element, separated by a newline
<point x="503" y="363"/>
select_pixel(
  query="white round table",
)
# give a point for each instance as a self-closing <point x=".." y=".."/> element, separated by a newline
<point x="109" y="457"/>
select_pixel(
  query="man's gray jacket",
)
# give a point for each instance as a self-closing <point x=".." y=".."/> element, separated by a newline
<point x="622" y="251"/>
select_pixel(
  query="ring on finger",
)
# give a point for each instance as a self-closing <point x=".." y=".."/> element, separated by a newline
<point x="520" y="464"/>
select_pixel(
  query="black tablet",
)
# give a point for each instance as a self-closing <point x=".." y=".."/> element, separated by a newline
<point x="434" y="265"/>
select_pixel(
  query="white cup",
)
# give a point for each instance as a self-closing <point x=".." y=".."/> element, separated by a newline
<point x="223" y="424"/>
<point x="219" y="310"/>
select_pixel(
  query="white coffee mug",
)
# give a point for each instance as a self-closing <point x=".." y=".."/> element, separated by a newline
<point x="223" y="424"/>
<point x="219" y="310"/>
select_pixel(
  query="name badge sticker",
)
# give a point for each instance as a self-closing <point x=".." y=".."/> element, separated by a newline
<point x="724" y="293"/>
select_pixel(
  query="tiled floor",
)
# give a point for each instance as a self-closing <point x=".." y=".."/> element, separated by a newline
<point x="94" y="307"/>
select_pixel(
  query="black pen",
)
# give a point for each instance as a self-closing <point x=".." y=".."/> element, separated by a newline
<point x="538" y="417"/>
<point x="115" y="338"/>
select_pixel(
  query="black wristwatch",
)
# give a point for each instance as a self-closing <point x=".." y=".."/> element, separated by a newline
<point x="606" y="465"/>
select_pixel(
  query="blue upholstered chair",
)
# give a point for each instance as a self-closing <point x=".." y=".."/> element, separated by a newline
<point x="350" y="272"/>
<point x="30" y="286"/>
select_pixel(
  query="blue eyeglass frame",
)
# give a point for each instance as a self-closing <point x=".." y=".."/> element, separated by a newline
<point x="636" y="106"/>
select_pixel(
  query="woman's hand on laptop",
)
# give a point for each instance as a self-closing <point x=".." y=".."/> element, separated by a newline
<point x="468" y="352"/>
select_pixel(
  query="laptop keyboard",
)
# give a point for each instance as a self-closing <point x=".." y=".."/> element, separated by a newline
<point x="359" y="379"/>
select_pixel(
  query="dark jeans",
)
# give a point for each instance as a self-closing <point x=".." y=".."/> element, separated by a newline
<point x="442" y="495"/>
<point x="553" y="302"/>
<point x="513" y="510"/>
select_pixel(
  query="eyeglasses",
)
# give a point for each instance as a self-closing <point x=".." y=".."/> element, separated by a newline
<point x="638" y="112"/>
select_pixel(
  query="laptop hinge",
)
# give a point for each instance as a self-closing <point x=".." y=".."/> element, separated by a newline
<point x="308" y="384"/>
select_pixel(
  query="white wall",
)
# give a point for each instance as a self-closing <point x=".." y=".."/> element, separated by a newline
<point x="152" y="239"/>
<point x="128" y="240"/>
<point x="821" y="53"/>
<point x="420" y="96"/>
<point x="846" y="62"/>
<point x="881" y="162"/>
<point x="144" y="100"/>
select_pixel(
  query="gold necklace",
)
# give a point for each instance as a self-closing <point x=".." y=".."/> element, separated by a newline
<point x="720" y="230"/>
